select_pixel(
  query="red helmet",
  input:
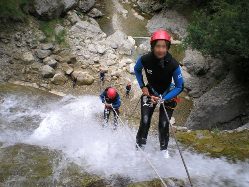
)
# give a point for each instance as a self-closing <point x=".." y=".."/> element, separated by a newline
<point x="160" y="35"/>
<point x="111" y="93"/>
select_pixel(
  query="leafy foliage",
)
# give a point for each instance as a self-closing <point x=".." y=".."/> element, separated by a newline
<point x="48" y="27"/>
<point x="221" y="29"/>
<point x="12" y="9"/>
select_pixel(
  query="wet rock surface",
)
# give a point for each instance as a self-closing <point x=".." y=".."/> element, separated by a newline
<point x="224" y="107"/>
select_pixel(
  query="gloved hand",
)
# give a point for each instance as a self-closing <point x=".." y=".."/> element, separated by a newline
<point x="107" y="105"/>
<point x="154" y="99"/>
<point x="145" y="91"/>
<point x="160" y="100"/>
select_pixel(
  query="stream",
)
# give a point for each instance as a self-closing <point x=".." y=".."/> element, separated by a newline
<point x="71" y="125"/>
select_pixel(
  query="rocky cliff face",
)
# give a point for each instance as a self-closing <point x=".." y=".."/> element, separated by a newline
<point x="30" y="55"/>
<point x="219" y="100"/>
<point x="225" y="106"/>
<point x="50" y="9"/>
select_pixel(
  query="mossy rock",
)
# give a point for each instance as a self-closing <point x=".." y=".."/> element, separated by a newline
<point x="232" y="145"/>
<point x="92" y="181"/>
<point x="27" y="162"/>
<point x="158" y="183"/>
<point x="74" y="175"/>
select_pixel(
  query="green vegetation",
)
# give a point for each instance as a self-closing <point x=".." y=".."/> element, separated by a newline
<point x="154" y="183"/>
<point x="27" y="161"/>
<point x="178" y="52"/>
<point x="234" y="146"/>
<point x="48" y="27"/>
<point x="221" y="29"/>
<point x="158" y="183"/>
<point x="12" y="9"/>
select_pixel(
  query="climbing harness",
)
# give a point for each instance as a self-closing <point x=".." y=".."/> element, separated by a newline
<point x="178" y="147"/>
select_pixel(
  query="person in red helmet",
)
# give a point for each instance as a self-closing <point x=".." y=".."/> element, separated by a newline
<point x="160" y="68"/>
<point x="111" y="99"/>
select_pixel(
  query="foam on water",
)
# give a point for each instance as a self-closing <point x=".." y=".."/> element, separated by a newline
<point x="74" y="129"/>
<point x="72" y="126"/>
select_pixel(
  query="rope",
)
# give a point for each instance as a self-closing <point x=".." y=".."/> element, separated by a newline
<point x="178" y="147"/>
<point x="147" y="159"/>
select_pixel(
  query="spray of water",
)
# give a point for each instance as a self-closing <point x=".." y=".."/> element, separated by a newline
<point x="72" y="126"/>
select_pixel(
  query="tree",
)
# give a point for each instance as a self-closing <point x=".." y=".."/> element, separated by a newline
<point x="222" y="29"/>
<point x="12" y="9"/>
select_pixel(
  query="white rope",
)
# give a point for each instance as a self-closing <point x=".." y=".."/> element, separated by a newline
<point x="178" y="147"/>
<point x="147" y="159"/>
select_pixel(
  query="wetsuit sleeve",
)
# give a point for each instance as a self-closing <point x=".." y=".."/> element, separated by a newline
<point x="102" y="96"/>
<point x="117" y="102"/>
<point x="138" y="72"/>
<point x="178" y="80"/>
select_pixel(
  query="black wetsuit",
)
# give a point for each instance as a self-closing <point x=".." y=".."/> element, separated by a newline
<point x="159" y="73"/>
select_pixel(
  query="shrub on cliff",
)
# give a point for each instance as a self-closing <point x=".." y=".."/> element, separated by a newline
<point x="221" y="29"/>
<point x="13" y="9"/>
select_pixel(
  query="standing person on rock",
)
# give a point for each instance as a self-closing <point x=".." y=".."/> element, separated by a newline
<point x="102" y="77"/>
<point x="128" y="90"/>
<point x="111" y="99"/>
<point x="160" y="67"/>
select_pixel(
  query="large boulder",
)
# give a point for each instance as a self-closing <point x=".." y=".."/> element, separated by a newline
<point x="201" y="73"/>
<point x="59" y="79"/>
<point x="47" y="46"/>
<point x="121" y="42"/>
<point x="195" y="62"/>
<point x="169" y="20"/>
<point x="82" y="77"/>
<point x="66" y="56"/>
<point x="69" y="4"/>
<point x="87" y="29"/>
<point x="95" y="13"/>
<point x="144" y="47"/>
<point x="40" y="53"/>
<point x="27" y="58"/>
<point x="86" y="5"/>
<point x="67" y="68"/>
<point x="226" y="106"/>
<point x="51" y="9"/>
<point x="47" y="71"/>
<point x="73" y="17"/>
<point x="149" y="6"/>
<point x="47" y="9"/>
<point x="50" y="61"/>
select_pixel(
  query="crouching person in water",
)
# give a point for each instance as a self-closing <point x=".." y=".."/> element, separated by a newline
<point x="160" y="67"/>
<point x="111" y="99"/>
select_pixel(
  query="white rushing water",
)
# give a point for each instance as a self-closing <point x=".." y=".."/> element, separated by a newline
<point x="71" y="125"/>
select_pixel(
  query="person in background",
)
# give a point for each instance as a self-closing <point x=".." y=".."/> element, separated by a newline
<point x="102" y="77"/>
<point x="112" y="101"/>
<point x="128" y="90"/>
